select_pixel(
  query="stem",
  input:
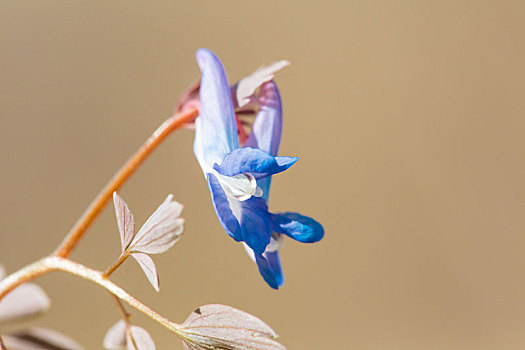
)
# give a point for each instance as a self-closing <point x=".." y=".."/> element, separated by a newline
<point x="116" y="264"/>
<point x="77" y="231"/>
<point x="124" y="315"/>
<point x="53" y="263"/>
<point x="2" y="345"/>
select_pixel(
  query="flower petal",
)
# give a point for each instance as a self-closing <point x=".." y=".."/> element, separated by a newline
<point x="241" y="186"/>
<point x="271" y="264"/>
<point x="256" y="225"/>
<point x="223" y="209"/>
<point x="274" y="263"/>
<point x="267" y="128"/>
<point x="243" y="91"/>
<point x="253" y="161"/>
<point x="266" y="271"/>
<point x="299" y="227"/>
<point x="248" y="221"/>
<point x="216" y="129"/>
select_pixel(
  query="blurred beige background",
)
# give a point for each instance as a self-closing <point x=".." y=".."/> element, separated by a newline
<point x="408" y="117"/>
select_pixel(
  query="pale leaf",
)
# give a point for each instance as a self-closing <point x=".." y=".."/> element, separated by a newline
<point x="115" y="337"/>
<point x="187" y="346"/>
<point x="125" y="221"/>
<point x="142" y="339"/>
<point x="39" y="339"/>
<point x="224" y="327"/>
<point x="148" y="266"/>
<point x="161" y="231"/>
<point x="245" y="88"/>
<point x="25" y="301"/>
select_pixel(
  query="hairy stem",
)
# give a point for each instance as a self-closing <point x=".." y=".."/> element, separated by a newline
<point x="53" y="263"/>
<point x="77" y="231"/>
<point x="124" y="314"/>
<point x="116" y="264"/>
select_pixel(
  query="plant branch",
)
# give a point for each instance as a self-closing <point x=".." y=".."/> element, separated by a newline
<point x="77" y="231"/>
<point x="124" y="315"/>
<point x="116" y="264"/>
<point x="53" y="263"/>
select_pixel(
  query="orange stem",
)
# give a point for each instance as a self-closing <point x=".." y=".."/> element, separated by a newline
<point x="116" y="264"/>
<point x="75" y="234"/>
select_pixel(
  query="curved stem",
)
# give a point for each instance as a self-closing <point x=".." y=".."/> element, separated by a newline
<point x="77" y="231"/>
<point x="53" y="263"/>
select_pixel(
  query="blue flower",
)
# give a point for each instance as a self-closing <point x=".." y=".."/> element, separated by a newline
<point x="239" y="177"/>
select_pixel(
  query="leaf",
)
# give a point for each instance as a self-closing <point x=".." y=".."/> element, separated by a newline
<point x="2" y="272"/>
<point x="190" y="346"/>
<point x="25" y="301"/>
<point x="39" y="339"/>
<point x="115" y="337"/>
<point x="125" y="220"/>
<point x="224" y="327"/>
<point x="143" y="340"/>
<point x="245" y="88"/>
<point x="148" y="266"/>
<point x="161" y="231"/>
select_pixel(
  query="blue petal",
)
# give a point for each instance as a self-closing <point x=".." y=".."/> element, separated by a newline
<point x="267" y="128"/>
<point x="301" y="228"/>
<point x="256" y="223"/>
<point x="275" y="265"/>
<point x="254" y="161"/>
<point x="248" y="221"/>
<point x="222" y="208"/>
<point x="216" y="127"/>
<point x="267" y="272"/>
